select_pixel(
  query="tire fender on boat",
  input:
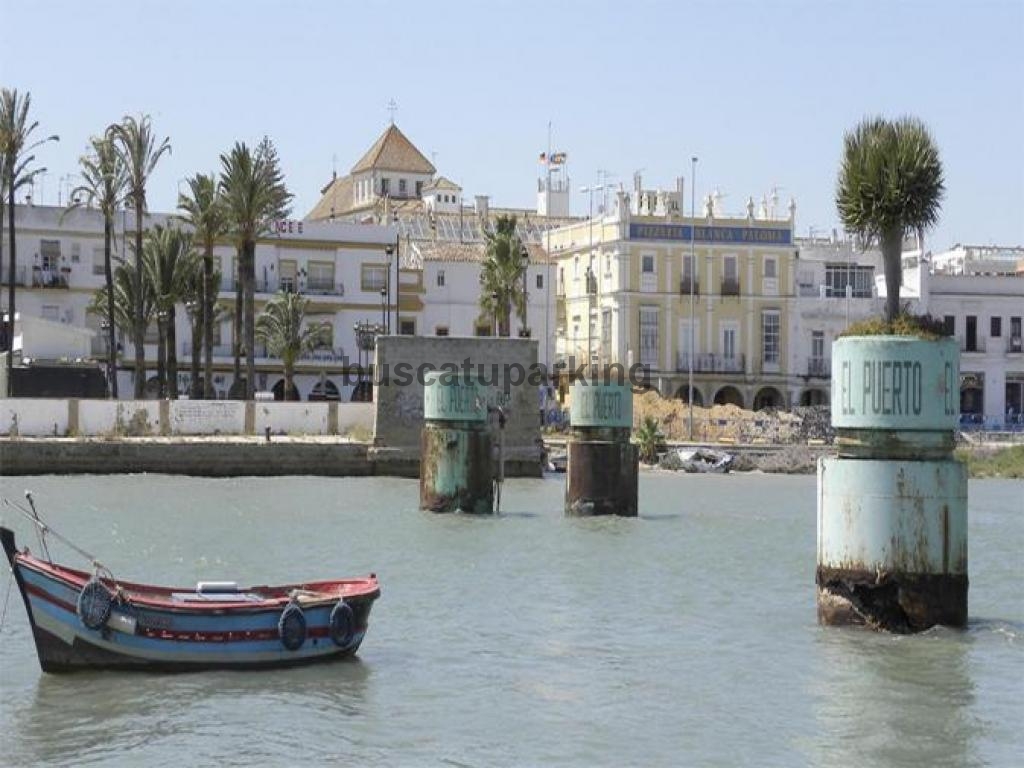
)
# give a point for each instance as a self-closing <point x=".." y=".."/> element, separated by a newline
<point x="291" y="627"/>
<point x="342" y="624"/>
<point x="94" y="604"/>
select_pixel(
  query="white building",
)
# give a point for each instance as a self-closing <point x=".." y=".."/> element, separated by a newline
<point x="341" y="267"/>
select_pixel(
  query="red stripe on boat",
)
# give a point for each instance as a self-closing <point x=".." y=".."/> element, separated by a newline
<point x="39" y="592"/>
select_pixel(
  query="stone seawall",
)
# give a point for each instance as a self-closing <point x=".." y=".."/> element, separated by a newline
<point x="214" y="458"/>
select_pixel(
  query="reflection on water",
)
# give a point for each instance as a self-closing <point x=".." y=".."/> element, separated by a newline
<point x="686" y="636"/>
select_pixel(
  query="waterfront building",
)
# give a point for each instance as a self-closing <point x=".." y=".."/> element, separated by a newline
<point x="341" y="267"/>
<point x="625" y="280"/>
<point x="978" y="291"/>
<point x="442" y="240"/>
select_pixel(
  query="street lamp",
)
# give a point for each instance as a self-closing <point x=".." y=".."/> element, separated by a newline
<point x="590" y="267"/>
<point x="693" y="275"/>
<point x="385" y="292"/>
<point x="494" y="310"/>
<point x="525" y="259"/>
<point x="384" y="308"/>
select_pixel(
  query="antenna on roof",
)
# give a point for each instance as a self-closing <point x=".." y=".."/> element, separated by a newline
<point x="392" y="108"/>
<point x="334" y="166"/>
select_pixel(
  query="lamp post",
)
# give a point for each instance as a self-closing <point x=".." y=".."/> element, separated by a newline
<point x="385" y="292"/>
<point x="384" y="308"/>
<point x="693" y="276"/>
<point x="494" y="311"/>
<point x="590" y="266"/>
<point x="525" y="259"/>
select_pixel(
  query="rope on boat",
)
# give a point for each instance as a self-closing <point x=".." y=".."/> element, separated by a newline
<point x="43" y="529"/>
<point x="7" y="595"/>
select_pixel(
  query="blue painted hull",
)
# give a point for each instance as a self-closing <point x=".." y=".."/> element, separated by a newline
<point x="165" y="630"/>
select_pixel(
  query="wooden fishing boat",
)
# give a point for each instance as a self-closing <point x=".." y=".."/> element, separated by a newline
<point x="83" y="620"/>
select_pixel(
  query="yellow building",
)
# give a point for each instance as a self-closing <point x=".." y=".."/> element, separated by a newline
<point x="624" y="296"/>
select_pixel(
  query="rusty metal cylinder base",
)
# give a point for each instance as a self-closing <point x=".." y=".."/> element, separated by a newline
<point x="602" y="478"/>
<point x="894" y="602"/>
<point x="456" y="468"/>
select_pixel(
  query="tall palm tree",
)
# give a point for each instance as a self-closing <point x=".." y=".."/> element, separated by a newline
<point x="255" y="196"/>
<point x="16" y="171"/>
<point x="137" y="145"/>
<point x="890" y="186"/>
<point x="170" y="262"/>
<point x="501" y="275"/>
<point x="126" y="300"/>
<point x="105" y="179"/>
<point x="204" y="209"/>
<point x="279" y="326"/>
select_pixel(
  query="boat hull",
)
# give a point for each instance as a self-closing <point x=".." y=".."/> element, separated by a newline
<point x="144" y="637"/>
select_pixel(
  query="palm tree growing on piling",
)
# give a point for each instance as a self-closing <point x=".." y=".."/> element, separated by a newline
<point x="16" y="172"/>
<point x="501" y="275"/>
<point x="170" y="262"/>
<point x="890" y="186"/>
<point x="105" y="180"/>
<point x="255" y="196"/>
<point x="279" y="326"/>
<point x="203" y="208"/>
<point x="137" y="145"/>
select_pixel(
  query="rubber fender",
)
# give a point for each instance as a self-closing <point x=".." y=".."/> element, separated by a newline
<point x="94" y="604"/>
<point x="291" y="627"/>
<point x="342" y="624"/>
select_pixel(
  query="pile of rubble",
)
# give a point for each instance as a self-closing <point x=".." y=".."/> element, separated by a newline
<point x="728" y="423"/>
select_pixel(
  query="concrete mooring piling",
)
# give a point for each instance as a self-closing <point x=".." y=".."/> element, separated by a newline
<point x="602" y="473"/>
<point x="892" y="506"/>
<point x="456" y="467"/>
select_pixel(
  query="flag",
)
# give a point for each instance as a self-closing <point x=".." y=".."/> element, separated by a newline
<point x="557" y="158"/>
<point x="544" y="157"/>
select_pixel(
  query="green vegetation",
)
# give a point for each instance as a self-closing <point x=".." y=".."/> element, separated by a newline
<point x="904" y="324"/>
<point x="279" y="326"/>
<point x="649" y="437"/>
<point x="501" y="275"/>
<point x="890" y="186"/>
<point x="994" y="462"/>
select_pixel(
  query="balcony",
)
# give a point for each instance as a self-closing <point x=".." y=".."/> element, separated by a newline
<point x="19" y="275"/>
<point x="310" y="287"/>
<point x="730" y="286"/>
<point x="819" y="367"/>
<point x="710" y="363"/>
<point x="975" y="345"/>
<point x="1014" y="345"/>
<point x="50" y="278"/>
<point x="686" y="285"/>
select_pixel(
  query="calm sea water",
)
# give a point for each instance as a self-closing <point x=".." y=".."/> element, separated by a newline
<point x="685" y="637"/>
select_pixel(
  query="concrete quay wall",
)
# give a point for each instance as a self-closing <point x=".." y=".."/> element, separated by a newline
<point x="212" y="457"/>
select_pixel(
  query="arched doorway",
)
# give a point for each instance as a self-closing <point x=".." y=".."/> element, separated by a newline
<point x="324" y="390"/>
<point x="768" y="397"/>
<point x="814" y="397"/>
<point x="278" y="390"/>
<point x="362" y="392"/>
<point x="152" y="390"/>
<point x="683" y="393"/>
<point x="729" y="395"/>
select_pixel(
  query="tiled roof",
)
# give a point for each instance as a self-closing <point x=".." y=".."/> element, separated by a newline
<point x="442" y="183"/>
<point x="335" y="200"/>
<point x="469" y="252"/>
<point x="394" y="152"/>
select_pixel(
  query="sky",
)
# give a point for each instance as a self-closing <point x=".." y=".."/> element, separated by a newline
<point x="761" y="92"/>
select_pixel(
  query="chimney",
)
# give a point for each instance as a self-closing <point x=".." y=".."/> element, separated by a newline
<point x="482" y="206"/>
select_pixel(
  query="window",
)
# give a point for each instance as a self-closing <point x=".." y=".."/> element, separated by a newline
<point x="729" y="343"/>
<point x="540" y="281"/>
<point x="407" y="328"/>
<point x="373" y="277"/>
<point x="995" y="327"/>
<point x="1015" y="340"/>
<point x="770" y="267"/>
<point x="286" y="270"/>
<point x="419" y="189"/>
<point x="770" y="338"/>
<point x="326" y="340"/>
<point x="76" y="253"/>
<point x="730" y="277"/>
<point x="649" y="336"/>
<point x="606" y="335"/>
<point x="97" y="261"/>
<point x="401" y="187"/>
<point x="972" y="333"/>
<point x="441" y="330"/>
<point x="648" y="279"/>
<point x="839" y="276"/>
<point x="321" y="276"/>
<point x="49" y="253"/>
<point x="949" y="325"/>
<point x="440" y="278"/>
<point x="817" y="345"/>
<point x="385" y="186"/>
